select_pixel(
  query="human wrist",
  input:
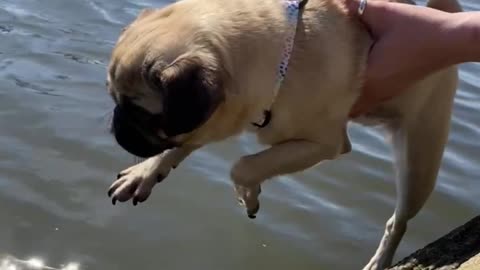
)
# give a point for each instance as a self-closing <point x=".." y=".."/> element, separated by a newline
<point x="472" y="26"/>
<point x="465" y="36"/>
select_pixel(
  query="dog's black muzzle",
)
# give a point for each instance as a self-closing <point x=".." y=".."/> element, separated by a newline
<point x="135" y="130"/>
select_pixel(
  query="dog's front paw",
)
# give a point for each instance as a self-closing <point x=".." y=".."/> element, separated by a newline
<point x="135" y="183"/>
<point x="248" y="197"/>
<point x="247" y="188"/>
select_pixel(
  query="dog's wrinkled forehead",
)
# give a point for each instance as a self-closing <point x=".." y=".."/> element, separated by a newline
<point x="126" y="81"/>
<point x="135" y="67"/>
<point x="124" y="87"/>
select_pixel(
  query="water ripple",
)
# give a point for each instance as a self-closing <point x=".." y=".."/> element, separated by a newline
<point x="103" y="12"/>
<point x="8" y="262"/>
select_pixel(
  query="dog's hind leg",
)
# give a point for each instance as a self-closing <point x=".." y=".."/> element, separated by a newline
<point x="418" y="148"/>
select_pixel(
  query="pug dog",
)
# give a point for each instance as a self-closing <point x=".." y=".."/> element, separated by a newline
<point x="197" y="72"/>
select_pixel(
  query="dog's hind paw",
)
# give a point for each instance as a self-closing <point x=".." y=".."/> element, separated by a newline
<point x="376" y="264"/>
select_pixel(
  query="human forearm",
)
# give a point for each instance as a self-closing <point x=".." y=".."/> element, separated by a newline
<point x="411" y="42"/>
<point x="441" y="32"/>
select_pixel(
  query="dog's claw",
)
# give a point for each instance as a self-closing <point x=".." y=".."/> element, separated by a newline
<point x="135" y="201"/>
<point x="114" y="200"/>
<point x="253" y="213"/>
<point x="119" y="176"/>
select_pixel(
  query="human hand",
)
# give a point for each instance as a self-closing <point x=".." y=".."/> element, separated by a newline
<point x="410" y="42"/>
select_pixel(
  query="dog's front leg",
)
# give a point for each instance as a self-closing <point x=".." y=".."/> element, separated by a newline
<point x="137" y="182"/>
<point x="288" y="157"/>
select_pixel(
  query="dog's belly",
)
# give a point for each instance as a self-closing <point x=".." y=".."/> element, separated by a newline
<point x="380" y="117"/>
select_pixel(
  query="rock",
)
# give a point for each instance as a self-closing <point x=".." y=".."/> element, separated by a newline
<point x="472" y="264"/>
<point x="459" y="249"/>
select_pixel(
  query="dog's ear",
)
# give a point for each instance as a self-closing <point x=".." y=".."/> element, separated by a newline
<point x="191" y="92"/>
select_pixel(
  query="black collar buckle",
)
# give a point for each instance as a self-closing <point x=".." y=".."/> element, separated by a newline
<point x="267" y="117"/>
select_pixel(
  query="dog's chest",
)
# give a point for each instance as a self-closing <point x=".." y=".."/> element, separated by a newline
<point x="287" y="122"/>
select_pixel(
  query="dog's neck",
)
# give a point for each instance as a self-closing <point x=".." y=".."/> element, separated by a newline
<point x="292" y="10"/>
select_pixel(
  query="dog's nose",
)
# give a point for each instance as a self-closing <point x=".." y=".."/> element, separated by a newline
<point x="130" y="137"/>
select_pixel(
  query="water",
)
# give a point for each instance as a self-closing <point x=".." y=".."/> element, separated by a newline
<point x="57" y="161"/>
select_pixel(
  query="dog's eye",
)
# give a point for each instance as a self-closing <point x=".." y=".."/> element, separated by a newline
<point x="129" y="99"/>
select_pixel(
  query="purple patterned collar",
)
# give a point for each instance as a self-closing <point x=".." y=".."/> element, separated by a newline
<point x="292" y="10"/>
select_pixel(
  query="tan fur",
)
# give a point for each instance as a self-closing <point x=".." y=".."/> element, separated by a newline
<point x="242" y="42"/>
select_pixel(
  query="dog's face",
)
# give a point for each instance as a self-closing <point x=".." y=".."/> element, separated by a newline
<point x="163" y="90"/>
